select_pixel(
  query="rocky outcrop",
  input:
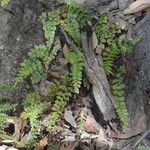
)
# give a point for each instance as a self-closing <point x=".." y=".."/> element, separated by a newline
<point x="19" y="31"/>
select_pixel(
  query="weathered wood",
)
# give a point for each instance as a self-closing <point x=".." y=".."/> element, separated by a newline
<point x="96" y="74"/>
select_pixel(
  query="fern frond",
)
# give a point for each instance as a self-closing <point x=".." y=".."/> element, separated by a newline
<point x="143" y="148"/>
<point x="76" y="60"/>
<point x="75" y="20"/>
<point x="50" y="21"/>
<point x="33" y="113"/>
<point x="118" y="92"/>
<point x="51" y="56"/>
<point x="4" y="86"/>
<point x="78" y="13"/>
<point x="72" y="27"/>
<point x="31" y="99"/>
<point x="30" y="68"/>
<point x="37" y="64"/>
<point x="3" y="120"/>
<point x="61" y="98"/>
<point x="4" y="3"/>
<point x="6" y="106"/>
<point x="109" y="56"/>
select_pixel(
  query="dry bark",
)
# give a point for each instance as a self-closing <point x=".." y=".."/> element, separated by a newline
<point x="96" y="74"/>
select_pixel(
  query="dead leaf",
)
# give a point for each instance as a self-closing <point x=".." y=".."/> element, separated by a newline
<point x="103" y="141"/>
<point x="62" y="61"/>
<point x="65" y="49"/>
<point x="69" y="118"/>
<point x="41" y="145"/>
<point x="55" y="73"/>
<point x="91" y="125"/>
<point x="137" y="6"/>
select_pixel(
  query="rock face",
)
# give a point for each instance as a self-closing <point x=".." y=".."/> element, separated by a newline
<point x="139" y="77"/>
<point x="19" y="31"/>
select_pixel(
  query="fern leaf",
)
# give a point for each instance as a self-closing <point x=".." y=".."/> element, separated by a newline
<point x="4" y="3"/>
<point x="75" y="20"/>
<point x="30" y="68"/>
<point x="33" y="113"/>
<point x="76" y="60"/>
<point x="61" y="97"/>
<point x="4" y="107"/>
<point x="31" y="99"/>
<point x="118" y="87"/>
<point x="143" y="148"/>
<point x="48" y="58"/>
<point x="78" y="13"/>
<point x="4" y="86"/>
<point x="33" y="66"/>
<point x="50" y="20"/>
<point x="72" y="27"/>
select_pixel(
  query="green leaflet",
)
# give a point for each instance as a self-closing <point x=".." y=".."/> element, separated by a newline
<point x="35" y="67"/>
<point x="76" y="19"/>
<point x="50" y="21"/>
<point x="118" y="92"/>
<point x="143" y="148"/>
<point x="4" y="3"/>
<point x="33" y="109"/>
<point x="76" y="60"/>
<point x="60" y="93"/>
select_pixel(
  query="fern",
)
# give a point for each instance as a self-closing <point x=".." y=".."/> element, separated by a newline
<point x="40" y="57"/>
<point x="110" y="43"/>
<point x="33" y="113"/>
<point x="76" y="60"/>
<point x="118" y="92"/>
<point x="5" y="104"/>
<point x="4" y="107"/>
<point x="32" y="67"/>
<point x="63" y="91"/>
<point x="37" y="64"/>
<point x="33" y="109"/>
<point x="113" y="48"/>
<point x="31" y="99"/>
<point x="4" y="3"/>
<point x="143" y="148"/>
<point x="50" y="21"/>
<point x="109" y="56"/>
<point x="75" y="20"/>
<point x="72" y="27"/>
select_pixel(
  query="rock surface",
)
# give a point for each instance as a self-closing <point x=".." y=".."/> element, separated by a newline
<point x="139" y="77"/>
<point x="19" y="31"/>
